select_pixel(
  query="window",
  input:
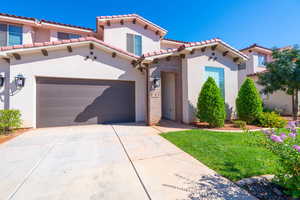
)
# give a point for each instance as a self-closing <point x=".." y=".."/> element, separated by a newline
<point x="262" y="59"/>
<point x="242" y="66"/>
<point x="67" y="36"/>
<point x="218" y="75"/>
<point x="134" y="44"/>
<point x="10" y="35"/>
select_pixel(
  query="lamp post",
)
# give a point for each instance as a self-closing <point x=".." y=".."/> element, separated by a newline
<point x="20" y="81"/>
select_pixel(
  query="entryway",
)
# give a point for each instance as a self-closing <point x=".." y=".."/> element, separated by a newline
<point x="168" y="91"/>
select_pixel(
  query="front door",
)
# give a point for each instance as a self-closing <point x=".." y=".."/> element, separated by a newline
<point x="168" y="95"/>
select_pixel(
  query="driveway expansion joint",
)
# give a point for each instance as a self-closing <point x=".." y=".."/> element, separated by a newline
<point x="27" y="176"/>
<point x="132" y="164"/>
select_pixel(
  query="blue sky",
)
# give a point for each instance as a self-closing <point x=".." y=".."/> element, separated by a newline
<point x="238" y="22"/>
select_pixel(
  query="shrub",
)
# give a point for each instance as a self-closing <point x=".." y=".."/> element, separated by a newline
<point x="272" y="120"/>
<point x="211" y="106"/>
<point x="286" y="147"/>
<point x="248" y="102"/>
<point x="240" y="124"/>
<point x="9" y="119"/>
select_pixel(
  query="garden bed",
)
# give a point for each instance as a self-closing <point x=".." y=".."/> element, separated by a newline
<point x="227" y="126"/>
<point x="12" y="134"/>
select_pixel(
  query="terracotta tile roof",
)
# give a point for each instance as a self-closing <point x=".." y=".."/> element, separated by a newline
<point x="19" y="17"/>
<point x="45" y="21"/>
<point x="132" y="16"/>
<point x="62" y="24"/>
<point x="59" y="42"/>
<point x="193" y="44"/>
<point x="255" y="45"/>
<point x="178" y="41"/>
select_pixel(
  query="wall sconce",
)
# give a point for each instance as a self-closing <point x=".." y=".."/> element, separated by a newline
<point x="2" y="79"/>
<point x="20" y="80"/>
<point x="156" y="83"/>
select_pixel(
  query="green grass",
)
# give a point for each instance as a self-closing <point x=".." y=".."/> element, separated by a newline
<point x="230" y="154"/>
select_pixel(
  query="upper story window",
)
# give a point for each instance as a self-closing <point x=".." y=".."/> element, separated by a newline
<point x="10" y="35"/>
<point x="262" y="60"/>
<point x="134" y="44"/>
<point x="67" y="36"/>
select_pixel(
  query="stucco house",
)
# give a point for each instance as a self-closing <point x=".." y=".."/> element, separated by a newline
<point x="258" y="57"/>
<point x="124" y="71"/>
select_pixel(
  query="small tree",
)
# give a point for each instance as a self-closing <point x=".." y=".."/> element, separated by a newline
<point x="248" y="103"/>
<point x="211" y="106"/>
<point x="283" y="73"/>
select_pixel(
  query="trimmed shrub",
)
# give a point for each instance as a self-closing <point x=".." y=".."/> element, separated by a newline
<point x="248" y="103"/>
<point x="272" y="120"/>
<point x="9" y="119"/>
<point x="211" y="106"/>
<point x="240" y="124"/>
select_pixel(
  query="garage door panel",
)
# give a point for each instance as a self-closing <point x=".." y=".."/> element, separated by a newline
<point x="63" y="102"/>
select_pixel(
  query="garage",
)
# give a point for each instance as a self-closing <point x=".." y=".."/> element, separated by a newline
<point x="65" y="102"/>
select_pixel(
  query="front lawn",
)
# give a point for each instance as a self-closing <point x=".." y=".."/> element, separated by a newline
<point x="230" y="154"/>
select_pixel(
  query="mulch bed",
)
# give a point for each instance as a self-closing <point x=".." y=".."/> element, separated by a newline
<point x="11" y="135"/>
<point x="227" y="126"/>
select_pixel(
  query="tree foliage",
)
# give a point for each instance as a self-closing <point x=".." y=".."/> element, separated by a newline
<point x="249" y="103"/>
<point x="283" y="73"/>
<point x="211" y="106"/>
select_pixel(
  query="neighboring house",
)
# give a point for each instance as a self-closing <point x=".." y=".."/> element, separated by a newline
<point x="258" y="57"/>
<point x="124" y="71"/>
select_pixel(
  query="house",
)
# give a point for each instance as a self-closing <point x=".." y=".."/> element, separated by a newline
<point x="124" y="71"/>
<point x="258" y="57"/>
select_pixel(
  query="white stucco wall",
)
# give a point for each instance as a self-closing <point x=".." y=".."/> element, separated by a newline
<point x="116" y="36"/>
<point x="193" y="70"/>
<point x="28" y="34"/>
<point x="63" y="64"/>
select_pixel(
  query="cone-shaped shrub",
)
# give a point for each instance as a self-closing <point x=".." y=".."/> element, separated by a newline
<point x="248" y="103"/>
<point x="211" y="106"/>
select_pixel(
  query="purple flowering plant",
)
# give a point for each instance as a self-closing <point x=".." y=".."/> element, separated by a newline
<point x="287" y="147"/>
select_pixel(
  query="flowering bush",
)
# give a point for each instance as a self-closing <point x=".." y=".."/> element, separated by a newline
<point x="287" y="147"/>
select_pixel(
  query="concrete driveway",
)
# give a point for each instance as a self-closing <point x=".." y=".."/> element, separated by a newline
<point x="129" y="161"/>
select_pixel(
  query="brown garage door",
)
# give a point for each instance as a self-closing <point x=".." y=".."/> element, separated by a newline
<point x="64" y="102"/>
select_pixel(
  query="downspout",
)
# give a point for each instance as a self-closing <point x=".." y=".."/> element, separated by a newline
<point x="147" y="97"/>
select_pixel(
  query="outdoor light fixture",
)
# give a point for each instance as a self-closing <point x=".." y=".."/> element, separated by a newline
<point x="20" y="81"/>
<point x="1" y="80"/>
<point x="156" y="82"/>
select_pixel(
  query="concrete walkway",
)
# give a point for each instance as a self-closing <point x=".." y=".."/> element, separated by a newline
<point x="128" y="161"/>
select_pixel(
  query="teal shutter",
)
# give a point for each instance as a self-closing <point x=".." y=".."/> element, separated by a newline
<point x="3" y="35"/>
<point x="218" y="75"/>
<point x="130" y="45"/>
<point x="138" y="45"/>
<point x="15" y="34"/>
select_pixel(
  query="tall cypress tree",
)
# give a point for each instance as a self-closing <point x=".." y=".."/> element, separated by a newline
<point x="211" y="106"/>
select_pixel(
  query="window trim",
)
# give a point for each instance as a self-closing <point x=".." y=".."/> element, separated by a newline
<point x="220" y="69"/>
<point x="69" y="35"/>
<point x="7" y="32"/>
<point x="134" y="43"/>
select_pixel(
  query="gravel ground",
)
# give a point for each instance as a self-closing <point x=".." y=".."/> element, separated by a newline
<point x="262" y="188"/>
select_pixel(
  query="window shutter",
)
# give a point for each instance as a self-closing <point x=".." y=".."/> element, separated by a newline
<point x="138" y="45"/>
<point x="15" y="35"/>
<point x="130" y="44"/>
<point x="3" y="35"/>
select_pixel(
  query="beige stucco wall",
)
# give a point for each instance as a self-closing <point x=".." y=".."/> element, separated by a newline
<point x="42" y="35"/>
<point x="278" y="100"/>
<point x="116" y="36"/>
<point x="193" y="69"/>
<point x="4" y="92"/>
<point x="63" y="64"/>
